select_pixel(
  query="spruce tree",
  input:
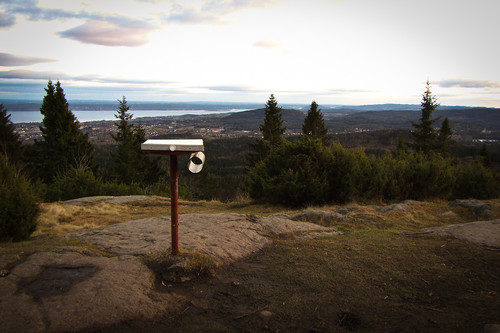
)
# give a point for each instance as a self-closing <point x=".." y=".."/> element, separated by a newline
<point x="64" y="145"/>
<point x="484" y="156"/>
<point x="130" y="164"/>
<point x="10" y="145"/>
<point x="424" y="134"/>
<point x="272" y="128"/>
<point x="314" y="124"/>
<point x="444" y="136"/>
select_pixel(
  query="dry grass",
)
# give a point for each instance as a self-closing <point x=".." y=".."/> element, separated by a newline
<point x="186" y="265"/>
<point x="57" y="218"/>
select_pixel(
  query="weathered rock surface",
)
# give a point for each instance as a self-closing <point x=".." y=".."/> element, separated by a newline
<point x="72" y="288"/>
<point x="399" y="207"/>
<point x="61" y="292"/>
<point x="481" y="209"/>
<point x="483" y="233"/>
<point x="224" y="237"/>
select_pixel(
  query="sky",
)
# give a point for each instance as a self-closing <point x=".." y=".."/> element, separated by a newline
<point x="350" y="52"/>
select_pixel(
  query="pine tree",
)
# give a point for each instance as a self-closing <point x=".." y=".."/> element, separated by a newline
<point x="425" y="135"/>
<point x="10" y="145"/>
<point x="484" y="156"/>
<point x="314" y="124"/>
<point x="64" y="145"/>
<point x="444" y="136"/>
<point x="273" y="129"/>
<point x="130" y="164"/>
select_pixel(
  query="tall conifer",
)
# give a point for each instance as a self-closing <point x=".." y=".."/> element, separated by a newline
<point x="10" y="145"/>
<point x="130" y="164"/>
<point x="314" y="124"/>
<point x="424" y="134"/>
<point x="63" y="144"/>
<point x="444" y="136"/>
<point x="272" y="128"/>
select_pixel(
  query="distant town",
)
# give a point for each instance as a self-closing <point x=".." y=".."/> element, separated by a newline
<point x="469" y="125"/>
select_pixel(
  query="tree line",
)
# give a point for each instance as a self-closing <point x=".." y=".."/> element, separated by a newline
<point x="309" y="170"/>
<point x="62" y="164"/>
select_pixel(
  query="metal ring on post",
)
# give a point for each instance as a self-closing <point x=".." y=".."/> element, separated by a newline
<point x="196" y="161"/>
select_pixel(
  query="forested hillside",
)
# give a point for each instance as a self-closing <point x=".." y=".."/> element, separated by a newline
<point x="288" y="157"/>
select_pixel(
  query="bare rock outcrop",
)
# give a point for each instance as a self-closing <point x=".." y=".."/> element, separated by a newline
<point x="481" y="209"/>
<point x="483" y="233"/>
<point x="62" y="292"/>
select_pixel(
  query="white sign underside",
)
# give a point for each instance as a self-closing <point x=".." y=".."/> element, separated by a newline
<point x="179" y="145"/>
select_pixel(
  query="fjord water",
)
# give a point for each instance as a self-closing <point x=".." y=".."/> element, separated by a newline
<point x="89" y="115"/>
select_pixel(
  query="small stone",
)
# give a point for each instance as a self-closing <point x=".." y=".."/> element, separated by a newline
<point x="266" y="315"/>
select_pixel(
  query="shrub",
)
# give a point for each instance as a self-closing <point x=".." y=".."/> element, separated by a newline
<point x="294" y="173"/>
<point x="19" y="208"/>
<point x="78" y="183"/>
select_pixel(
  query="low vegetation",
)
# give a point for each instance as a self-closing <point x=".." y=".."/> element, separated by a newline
<point x="378" y="276"/>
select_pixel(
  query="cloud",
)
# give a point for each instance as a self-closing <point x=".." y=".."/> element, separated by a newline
<point x="7" y="59"/>
<point x="184" y="15"/>
<point x="30" y="9"/>
<point x="117" y="31"/>
<point x="98" y="29"/>
<point x="463" y="83"/>
<point x="230" y="88"/>
<point x="7" y="20"/>
<point x="267" y="44"/>
<point x="23" y="74"/>
<point x="229" y="6"/>
<point x="211" y="11"/>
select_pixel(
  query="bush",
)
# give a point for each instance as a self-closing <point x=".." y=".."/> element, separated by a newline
<point x="293" y="174"/>
<point x="19" y="208"/>
<point x="307" y="173"/>
<point x="78" y="183"/>
<point x="476" y="181"/>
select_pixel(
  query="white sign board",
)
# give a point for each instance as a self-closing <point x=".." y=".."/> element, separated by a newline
<point x="172" y="145"/>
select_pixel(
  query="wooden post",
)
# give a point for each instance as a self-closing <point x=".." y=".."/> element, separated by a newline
<point x="174" y="203"/>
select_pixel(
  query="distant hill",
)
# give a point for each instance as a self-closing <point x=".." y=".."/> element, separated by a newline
<point x="251" y="120"/>
<point x="473" y="122"/>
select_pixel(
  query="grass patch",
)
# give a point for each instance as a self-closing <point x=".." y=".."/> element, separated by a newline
<point x="182" y="267"/>
<point x="379" y="281"/>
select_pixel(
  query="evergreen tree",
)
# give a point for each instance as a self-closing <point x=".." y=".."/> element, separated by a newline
<point x="19" y="207"/>
<point x="444" y="140"/>
<point x="424" y="134"/>
<point x="64" y="145"/>
<point x="402" y="147"/>
<point x="10" y="145"/>
<point x="314" y="124"/>
<point x="273" y="129"/>
<point x="130" y="164"/>
<point x="484" y="156"/>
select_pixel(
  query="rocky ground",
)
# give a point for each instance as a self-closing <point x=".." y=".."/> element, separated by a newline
<point x="80" y="287"/>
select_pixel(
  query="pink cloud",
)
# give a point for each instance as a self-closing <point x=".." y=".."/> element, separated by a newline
<point x="111" y="32"/>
